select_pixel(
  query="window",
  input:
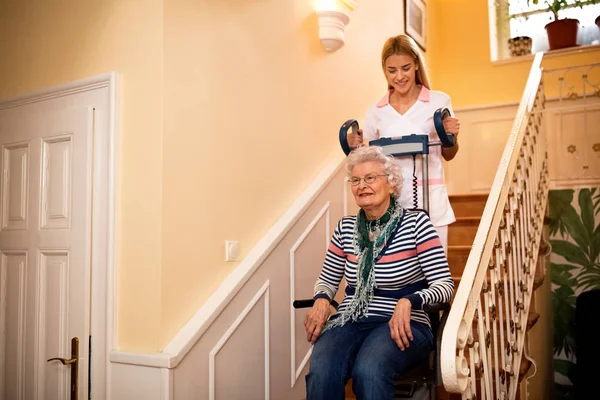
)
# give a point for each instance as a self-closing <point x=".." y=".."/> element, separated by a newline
<point x="513" y="18"/>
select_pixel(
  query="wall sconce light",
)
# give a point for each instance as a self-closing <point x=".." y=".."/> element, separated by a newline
<point x="331" y="28"/>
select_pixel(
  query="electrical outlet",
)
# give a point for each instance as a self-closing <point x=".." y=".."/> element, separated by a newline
<point x="232" y="250"/>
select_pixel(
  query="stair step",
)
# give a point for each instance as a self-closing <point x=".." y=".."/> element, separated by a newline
<point x="468" y="205"/>
<point x="457" y="258"/>
<point x="458" y="255"/>
<point x="462" y="232"/>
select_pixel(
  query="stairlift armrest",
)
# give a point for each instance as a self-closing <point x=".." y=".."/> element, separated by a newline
<point x="436" y="307"/>
<point x="307" y="303"/>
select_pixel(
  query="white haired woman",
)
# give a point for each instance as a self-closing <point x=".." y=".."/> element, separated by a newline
<point x="394" y="263"/>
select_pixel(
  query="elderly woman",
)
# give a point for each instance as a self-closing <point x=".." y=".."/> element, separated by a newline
<point x="394" y="263"/>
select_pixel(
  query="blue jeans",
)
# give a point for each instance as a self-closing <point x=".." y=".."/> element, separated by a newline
<point x="364" y="351"/>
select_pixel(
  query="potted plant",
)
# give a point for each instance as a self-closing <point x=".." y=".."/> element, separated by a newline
<point x="520" y="45"/>
<point x="562" y="32"/>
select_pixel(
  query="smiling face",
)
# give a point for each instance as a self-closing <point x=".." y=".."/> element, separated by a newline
<point x="372" y="197"/>
<point x="400" y="71"/>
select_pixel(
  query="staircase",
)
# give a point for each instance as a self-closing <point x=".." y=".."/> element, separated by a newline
<point x="468" y="210"/>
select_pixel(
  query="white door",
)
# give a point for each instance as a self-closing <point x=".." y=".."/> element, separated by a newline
<point x="44" y="249"/>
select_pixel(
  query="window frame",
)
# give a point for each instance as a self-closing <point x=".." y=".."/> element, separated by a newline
<point x="499" y="22"/>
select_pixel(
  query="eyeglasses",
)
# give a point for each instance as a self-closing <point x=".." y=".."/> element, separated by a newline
<point x="354" y="181"/>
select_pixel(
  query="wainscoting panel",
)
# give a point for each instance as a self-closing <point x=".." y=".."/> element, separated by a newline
<point x="256" y="347"/>
<point x="574" y="146"/>
<point x="483" y="134"/>
<point x="305" y="252"/>
<point x="250" y="333"/>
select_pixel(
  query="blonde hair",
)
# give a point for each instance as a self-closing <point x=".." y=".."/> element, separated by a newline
<point x="405" y="45"/>
<point x="390" y="167"/>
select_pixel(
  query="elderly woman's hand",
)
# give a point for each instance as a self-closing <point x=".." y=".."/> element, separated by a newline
<point x="316" y="318"/>
<point x="400" y="324"/>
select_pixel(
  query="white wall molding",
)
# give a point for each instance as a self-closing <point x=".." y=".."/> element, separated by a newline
<point x="154" y="360"/>
<point x="325" y="211"/>
<point x="66" y="89"/>
<point x="205" y="335"/>
<point x="476" y="107"/>
<point x="193" y="330"/>
<point x="488" y="106"/>
<point x="263" y="292"/>
<point x="167" y="389"/>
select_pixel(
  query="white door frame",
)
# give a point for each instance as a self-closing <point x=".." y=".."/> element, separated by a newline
<point x="104" y="235"/>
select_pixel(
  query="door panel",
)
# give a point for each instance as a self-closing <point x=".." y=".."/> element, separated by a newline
<point x="44" y="248"/>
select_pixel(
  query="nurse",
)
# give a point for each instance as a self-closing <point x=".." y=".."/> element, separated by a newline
<point x="407" y="108"/>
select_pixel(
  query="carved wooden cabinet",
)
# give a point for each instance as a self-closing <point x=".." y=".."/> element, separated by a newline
<point x="573" y="128"/>
<point x="574" y="142"/>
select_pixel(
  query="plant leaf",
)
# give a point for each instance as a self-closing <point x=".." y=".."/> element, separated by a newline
<point x="565" y="367"/>
<point x="558" y="200"/>
<point x="576" y="228"/>
<point x="570" y="252"/>
<point x="587" y="210"/>
<point x="560" y="275"/>
<point x="589" y="279"/>
<point x="595" y="244"/>
<point x="596" y="200"/>
<point x="563" y="307"/>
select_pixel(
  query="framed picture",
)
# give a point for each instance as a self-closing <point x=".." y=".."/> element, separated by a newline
<point x="415" y="20"/>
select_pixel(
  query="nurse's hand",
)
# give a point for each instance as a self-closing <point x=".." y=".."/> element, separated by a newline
<point x="451" y="125"/>
<point x="400" y="324"/>
<point x="355" y="140"/>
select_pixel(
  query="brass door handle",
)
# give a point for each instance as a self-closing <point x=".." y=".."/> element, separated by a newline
<point x="74" y="363"/>
<point x="63" y="361"/>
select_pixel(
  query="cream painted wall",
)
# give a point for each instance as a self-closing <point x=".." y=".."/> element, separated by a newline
<point x="253" y="105"/>
<point x="45" y="43"/>
<point x="460" y="65"/>
<point x="228" y="110"/>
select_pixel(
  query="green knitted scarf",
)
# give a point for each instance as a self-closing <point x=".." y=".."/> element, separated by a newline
<point x="367" y="252"/>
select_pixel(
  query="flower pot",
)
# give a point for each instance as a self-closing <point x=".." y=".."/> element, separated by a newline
<point x="520" y="46"/>
<point x="562" y="33"/>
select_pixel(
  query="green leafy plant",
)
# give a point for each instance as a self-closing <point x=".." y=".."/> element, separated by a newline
<point x="575" y="233"/>
<point x="554" y="6"/>
<point x="586" y="249"/>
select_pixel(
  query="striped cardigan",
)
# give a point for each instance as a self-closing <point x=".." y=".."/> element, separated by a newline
<point x="412" y="265"/>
